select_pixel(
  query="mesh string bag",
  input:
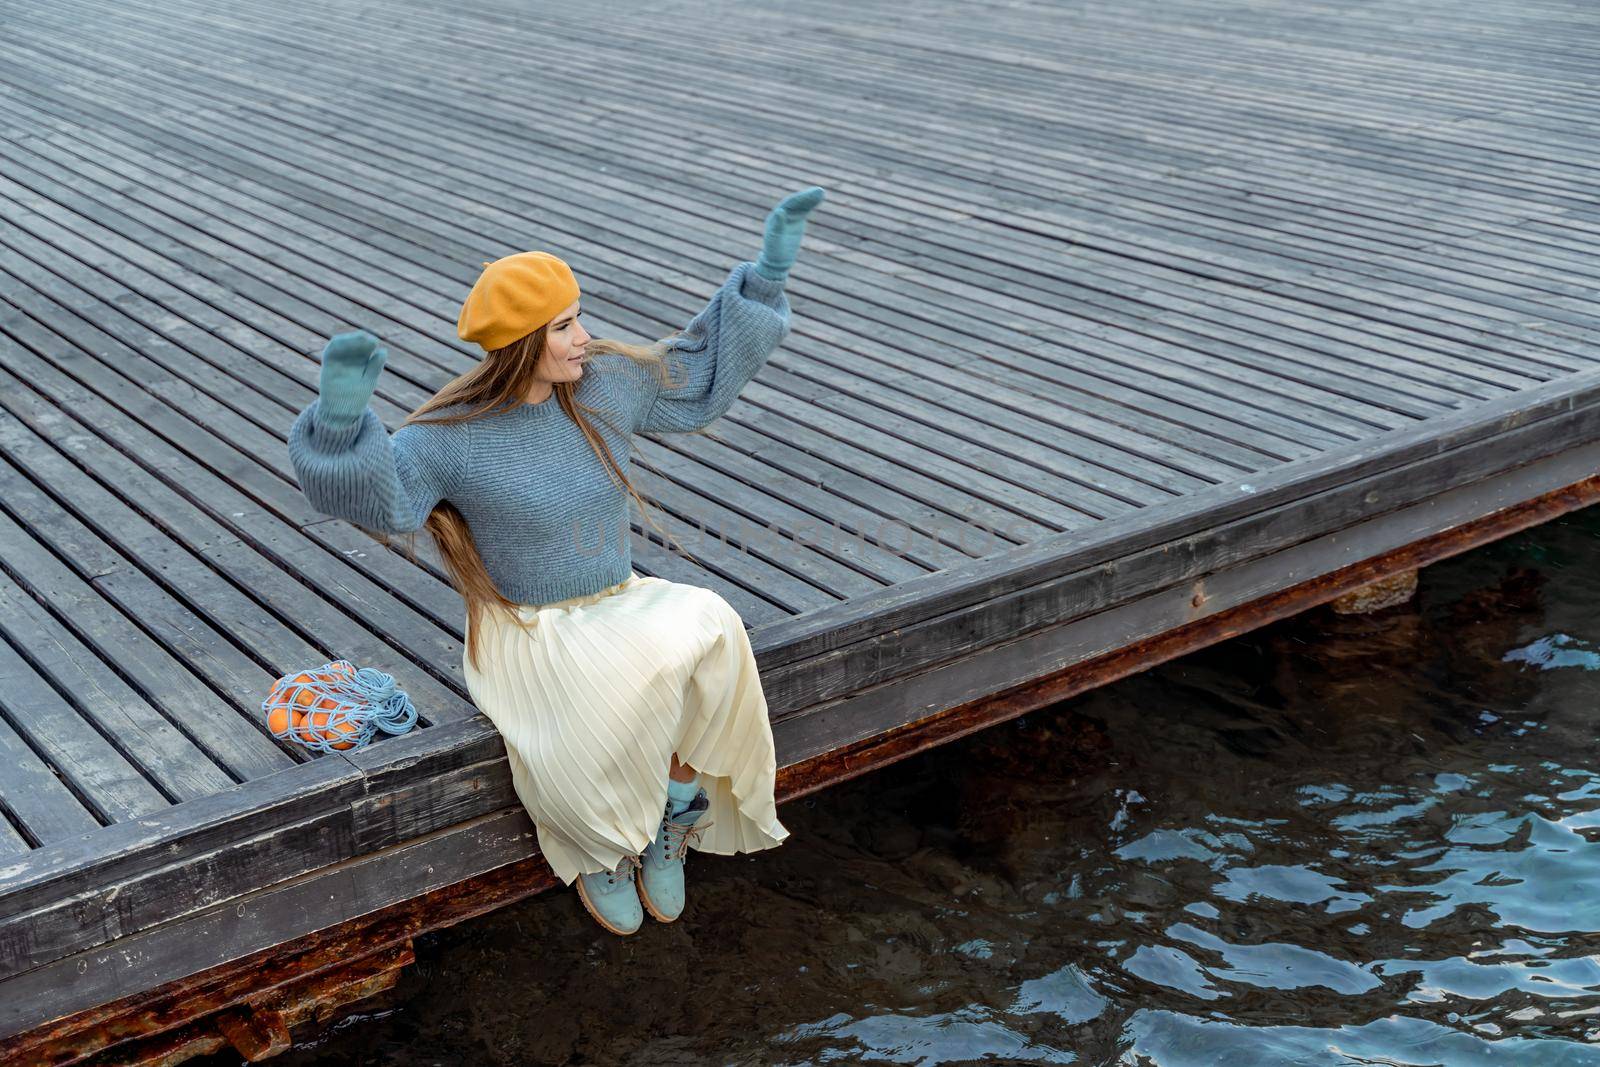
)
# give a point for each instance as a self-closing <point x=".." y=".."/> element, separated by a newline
<point x="337" y="706"/>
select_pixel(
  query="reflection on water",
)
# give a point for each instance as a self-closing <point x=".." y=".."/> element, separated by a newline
<point x="1340" y="840"/>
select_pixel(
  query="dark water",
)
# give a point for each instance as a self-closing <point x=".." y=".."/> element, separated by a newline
<point x="1339" y="840"/>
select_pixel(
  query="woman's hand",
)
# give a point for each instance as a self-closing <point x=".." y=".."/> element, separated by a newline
<point x="351" y="363"/>
<point x="786" y="224"/>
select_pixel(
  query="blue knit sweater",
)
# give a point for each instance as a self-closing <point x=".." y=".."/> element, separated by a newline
<point x="546" y="517"/>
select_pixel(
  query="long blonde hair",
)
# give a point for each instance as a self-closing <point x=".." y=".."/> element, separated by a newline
<point x="500" y="382"/>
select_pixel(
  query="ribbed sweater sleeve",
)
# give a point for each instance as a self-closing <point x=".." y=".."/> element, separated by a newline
<point x="382" y="481"/>
<point x="721" y="349"/>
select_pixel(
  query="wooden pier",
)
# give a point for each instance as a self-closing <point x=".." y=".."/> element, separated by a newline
<point x="1124" y="329"/>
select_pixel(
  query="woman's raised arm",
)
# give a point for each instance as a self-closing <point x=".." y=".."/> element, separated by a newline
<point x="724" y="345"/>
<point x="351" y="467"/>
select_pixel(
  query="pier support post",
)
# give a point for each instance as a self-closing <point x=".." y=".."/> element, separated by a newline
<point x="264" y="1026"/>
<point x="1386" y="592"/>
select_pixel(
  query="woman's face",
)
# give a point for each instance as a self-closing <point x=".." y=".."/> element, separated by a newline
<point x="564" y="343"/>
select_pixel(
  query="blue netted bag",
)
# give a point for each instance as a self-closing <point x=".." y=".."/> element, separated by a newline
<point x="337" y="706"/>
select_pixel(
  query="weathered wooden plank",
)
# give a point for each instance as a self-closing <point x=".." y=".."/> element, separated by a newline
<point x="1047" y="560"/>
<point x="417" y="783"/>
<point x="40" y="912"/>
<point x="145" y="261"/>
<point x="993" y="668"/>
<point x="731" y="474"/>
<point x="790" y="689"/>
<point x="214" y="537"/>
<point x="224" y="415"/>
<point x="957" y="479"/>
<point x="30" y="792"/>
<point x="271" y="916"/>
<point x="834" y="443"/>
<point x="116" y="752"/>
<point x="864" y="506"/>
<point x="12" y="843"/>
<point x="190" y="742"/>
<point x="215" y="439"/>
<point x="733" y="505"/>
<point x="653" y="558"/>
<point x="727" y="540"/>
<point x="1104" y="48"/>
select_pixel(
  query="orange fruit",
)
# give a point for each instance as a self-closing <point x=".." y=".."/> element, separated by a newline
<point x="323" y="718"/>
<point x="345" y="728"/>
<point x="327" y="727"/>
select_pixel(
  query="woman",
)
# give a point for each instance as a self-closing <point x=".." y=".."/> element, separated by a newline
<point x="633" y="715"/>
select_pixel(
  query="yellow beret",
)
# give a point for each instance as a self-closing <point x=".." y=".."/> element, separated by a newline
<point x="514" y="296"/>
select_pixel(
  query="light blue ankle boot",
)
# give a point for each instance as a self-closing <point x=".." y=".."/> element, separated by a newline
<point x="661" y="863"/>
<point x="611" y="898"/>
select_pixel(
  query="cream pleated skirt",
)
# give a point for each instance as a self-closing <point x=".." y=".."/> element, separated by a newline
<point x="595" y="695"/>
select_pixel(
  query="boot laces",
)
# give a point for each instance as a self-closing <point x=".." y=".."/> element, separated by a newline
<point x="624" y="870"/>
<point x="679" y="834"/>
